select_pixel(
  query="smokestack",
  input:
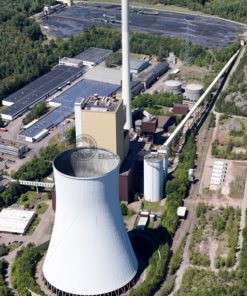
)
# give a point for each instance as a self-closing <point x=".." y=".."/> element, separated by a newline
<point x="126" y="64"/>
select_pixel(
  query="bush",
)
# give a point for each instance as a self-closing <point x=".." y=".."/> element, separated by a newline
<point x="37" y="111"/>
<point x="3" y="250"/>
<point x="177" y="188"/>
<point x="177" y="258"/>
<point x="201" y="209"/>
<point x="124" y="209"/>
<point x="157" y="264"/>
<point x="23" y="271"/>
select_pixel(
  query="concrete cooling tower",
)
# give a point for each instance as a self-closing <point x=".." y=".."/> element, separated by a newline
<point x="89" y="252"/>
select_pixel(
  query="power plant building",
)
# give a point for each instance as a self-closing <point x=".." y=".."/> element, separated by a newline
<point x="103" y="119"/>
<point x="89" y="252"/>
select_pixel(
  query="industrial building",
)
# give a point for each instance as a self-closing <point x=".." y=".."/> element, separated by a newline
<point x="39" y="89"/>
<point x="64" y="104"/>
<point x="138" y="65"/>
<point x="128" y="173"/>
<point x="153" y="73"/>
<point x="103" y="119"/>
<point x="89" y="252"/>
<point x="13" y="148"/>
<point x="68" y="70"/>
<point x="93" y="56"/>
<point x="136" y="87"/>
<point x="15" y="220"/>
<point x="156" y="127"/>
<point x="102" y="74"/>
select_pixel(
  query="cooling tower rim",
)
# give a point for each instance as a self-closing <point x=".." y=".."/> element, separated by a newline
<point x="97" y="150"/>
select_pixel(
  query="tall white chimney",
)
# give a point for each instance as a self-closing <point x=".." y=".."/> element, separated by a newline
<point x="126" y="64"/>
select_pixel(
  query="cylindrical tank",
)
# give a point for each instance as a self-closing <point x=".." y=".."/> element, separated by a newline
<point x="153" y="177"/>
<point x="193" y="91"/>
<point x="173" y="86"/>
<point x="89" y="252"/>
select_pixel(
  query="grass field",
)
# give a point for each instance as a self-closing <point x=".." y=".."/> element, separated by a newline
<point x="151" y="206"/>
<point x="237" y="186"/>
<point x="33" y="226"/>
<point x="41" y="208"/>
<point x="28" y="197"/>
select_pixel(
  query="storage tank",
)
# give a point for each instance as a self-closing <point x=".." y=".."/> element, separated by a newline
<point x="193" y="91"/>
<point x="173" y="86"/>
<point x="153" y="177"/>
<point x="90" y="252"/>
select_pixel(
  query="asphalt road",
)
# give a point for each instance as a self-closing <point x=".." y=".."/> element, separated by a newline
<point x="212" y="32"/>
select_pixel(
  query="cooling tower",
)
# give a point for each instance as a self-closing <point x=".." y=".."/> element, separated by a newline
<point x="89" y="252"/>
<point x="153" y="177"/>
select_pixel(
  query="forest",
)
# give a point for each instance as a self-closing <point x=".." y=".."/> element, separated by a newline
<point x="234" y="10"/>
<point x="4" y="290"/>
<point x="237" y="89"/>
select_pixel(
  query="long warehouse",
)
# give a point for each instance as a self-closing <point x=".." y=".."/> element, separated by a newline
<point x="65" y="105"/>
<point x="39" y="89"/>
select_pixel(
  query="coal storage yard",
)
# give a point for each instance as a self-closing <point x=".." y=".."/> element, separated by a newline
<point x="209" y="31"/>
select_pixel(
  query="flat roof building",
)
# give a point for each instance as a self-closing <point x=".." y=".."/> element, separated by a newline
<point x="93" y="56"/>
<point x="149" y="76"/>
<point x="138" y="65"/>
<point x="103" y="74"/>
<point x="39" y="89"/>
<point x="12" y="148"/>
<point x="15" y="221"/>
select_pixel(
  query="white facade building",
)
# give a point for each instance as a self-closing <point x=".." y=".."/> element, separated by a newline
<point x="89" y="252"/>
<point x="15" y="220"/>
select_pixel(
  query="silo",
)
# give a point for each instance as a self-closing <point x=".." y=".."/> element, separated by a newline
<point x="173" y="86"/>
<point x="153" y="177"/>
<point x="193" y="91"/>
<point x="89" y="252"/>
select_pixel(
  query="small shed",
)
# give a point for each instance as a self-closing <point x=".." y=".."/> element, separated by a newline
<point x="181" y="212"/>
